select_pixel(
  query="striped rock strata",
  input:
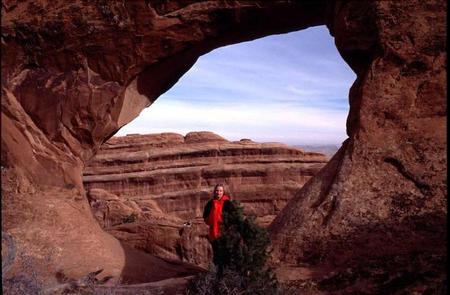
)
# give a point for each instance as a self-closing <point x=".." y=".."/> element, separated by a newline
<point x="162" y="182"/>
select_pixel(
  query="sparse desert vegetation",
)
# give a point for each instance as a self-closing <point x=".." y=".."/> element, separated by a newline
<point x="241" y="261"/>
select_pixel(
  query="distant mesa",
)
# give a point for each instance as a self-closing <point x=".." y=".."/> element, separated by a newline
<point x="144" y="189"/>
<point x="203" y="136"/>
<point x="328" y="149"/>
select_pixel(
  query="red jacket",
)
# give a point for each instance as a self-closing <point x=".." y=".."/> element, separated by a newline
<point x="213" y="216"/>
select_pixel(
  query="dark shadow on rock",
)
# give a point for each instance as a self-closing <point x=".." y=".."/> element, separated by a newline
<point x="386" y="258"/>
<point x="141" y="267"/>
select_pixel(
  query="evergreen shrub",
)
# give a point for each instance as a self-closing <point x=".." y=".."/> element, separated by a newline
<point x="240" y="260"/>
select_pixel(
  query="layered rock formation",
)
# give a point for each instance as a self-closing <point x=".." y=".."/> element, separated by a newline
<point x="73" y="73"/>
<point x="161" y="182"/>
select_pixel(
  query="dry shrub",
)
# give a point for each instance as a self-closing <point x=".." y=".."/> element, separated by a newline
<point x="232" y="283"/>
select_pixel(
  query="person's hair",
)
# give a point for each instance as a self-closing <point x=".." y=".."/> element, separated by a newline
<point x="216" y="186"/>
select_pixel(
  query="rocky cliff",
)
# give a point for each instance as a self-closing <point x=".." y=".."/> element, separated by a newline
<point x="74" y="72"/>
<point x="163" y="181"/>
<point x="383" y="194"/>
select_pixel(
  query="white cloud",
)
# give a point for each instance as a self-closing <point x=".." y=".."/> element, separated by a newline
<point x="303" y="92"/>
<point x="259" y="122"/>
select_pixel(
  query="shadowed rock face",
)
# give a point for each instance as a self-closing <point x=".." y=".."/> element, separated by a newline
<point x="165" y="180"/>
<point x="73" y="73"/>
<point x="379" y="206"/>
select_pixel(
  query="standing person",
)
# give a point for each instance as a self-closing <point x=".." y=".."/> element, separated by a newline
<point x="213" y="216"/>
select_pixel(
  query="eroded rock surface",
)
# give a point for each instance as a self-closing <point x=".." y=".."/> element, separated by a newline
<point x="74" y="72"/>
<point x="164" y="181"/>
<point x="383" y="195"/>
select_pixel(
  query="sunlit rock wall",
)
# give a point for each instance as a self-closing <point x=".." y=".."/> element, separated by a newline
<point x="165" y="180"/>
<point x="73" y="73"/>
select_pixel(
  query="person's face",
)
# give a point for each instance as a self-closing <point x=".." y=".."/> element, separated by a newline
<point x="218" y="193"/>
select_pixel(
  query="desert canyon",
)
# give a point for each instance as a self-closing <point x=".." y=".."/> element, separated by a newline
<point x="372" y="220"/>
<point x="166" y="179"/>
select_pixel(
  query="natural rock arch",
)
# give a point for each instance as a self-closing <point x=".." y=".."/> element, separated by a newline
<point x="72" y="75"/>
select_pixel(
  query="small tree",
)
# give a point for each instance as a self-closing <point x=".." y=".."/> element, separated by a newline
<point x="241" y="255"/>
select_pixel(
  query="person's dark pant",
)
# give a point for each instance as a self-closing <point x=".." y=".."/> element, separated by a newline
<point x="221" y="257"/>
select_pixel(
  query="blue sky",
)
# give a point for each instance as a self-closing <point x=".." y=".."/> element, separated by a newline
<point x="290" y="88"/>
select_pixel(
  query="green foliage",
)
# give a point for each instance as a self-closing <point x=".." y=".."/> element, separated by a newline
<point x="240" y="256"/>
<point x="129" y="218"/>
<point x="244" y="245"/>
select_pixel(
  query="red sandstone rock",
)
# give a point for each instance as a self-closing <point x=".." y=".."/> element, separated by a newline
<point x="73" y="73"/>
<point x="379" y="206"/>
<point x="173" y="181"/>
<point x="203" y="137"/>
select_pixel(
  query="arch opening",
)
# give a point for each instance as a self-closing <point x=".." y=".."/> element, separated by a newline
<point x="290" y="89"/>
